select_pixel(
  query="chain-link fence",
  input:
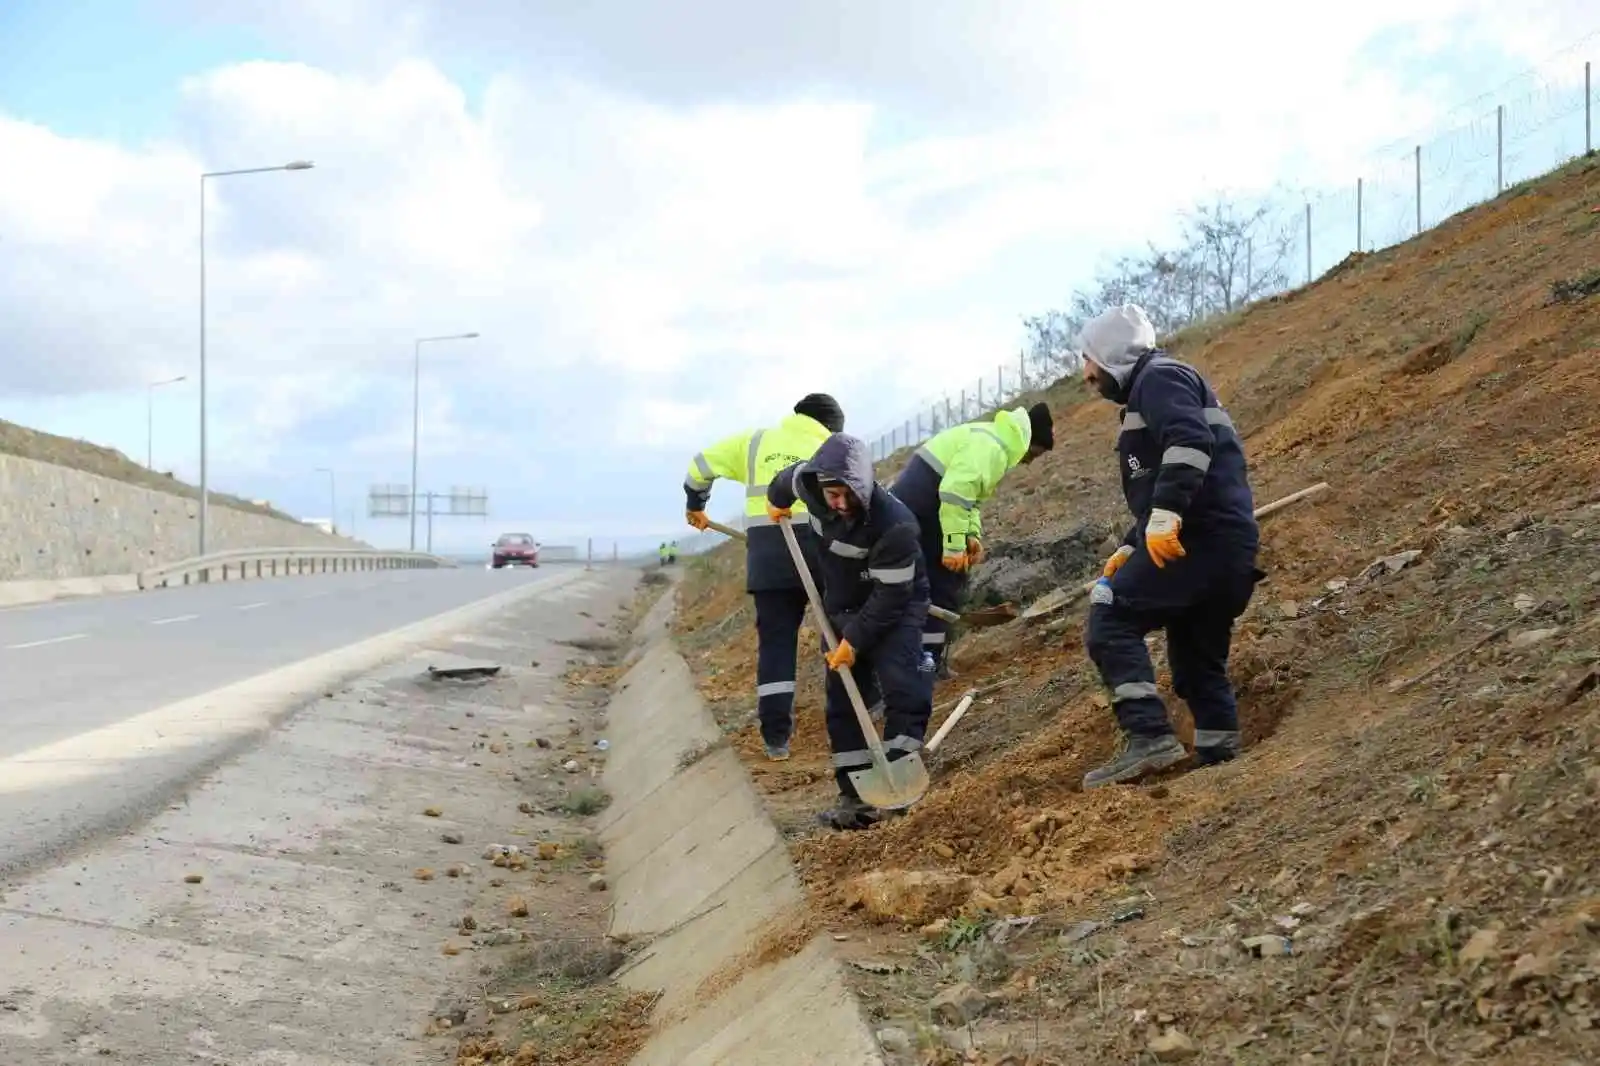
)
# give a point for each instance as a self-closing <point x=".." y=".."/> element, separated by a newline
<point x="1300" y="236"/>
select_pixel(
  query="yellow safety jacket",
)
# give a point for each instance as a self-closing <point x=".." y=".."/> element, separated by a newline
<point x="753" y="458"/>
<point x="958" y="469"/>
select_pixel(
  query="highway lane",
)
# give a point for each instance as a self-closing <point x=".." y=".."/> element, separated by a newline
<point x="111" y="706"/>
<point x="70" y="667"/>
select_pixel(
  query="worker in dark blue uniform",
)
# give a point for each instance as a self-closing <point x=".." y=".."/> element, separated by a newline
<point x="1187" y="565"/>
<point x="875" y="593"/>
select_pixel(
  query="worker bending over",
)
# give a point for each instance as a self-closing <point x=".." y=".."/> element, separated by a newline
<point x="1187" y="565"/>
<point x="875" y="592"/>
<point x="752" y="457"/>
<point x="945" y="482"/>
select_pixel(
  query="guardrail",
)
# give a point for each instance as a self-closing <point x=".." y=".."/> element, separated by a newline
<point x="245" y="563"/>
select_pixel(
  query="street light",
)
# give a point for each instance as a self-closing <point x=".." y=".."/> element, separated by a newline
<point x="416" y="414"/>
<point x="333" y="498"/>
<point x="299" y="164"/>
<point x="150" y="418"/>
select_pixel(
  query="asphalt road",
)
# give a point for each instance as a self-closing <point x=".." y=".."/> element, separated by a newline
<point x="94" y="730"/>
<point x="75" y="665"/>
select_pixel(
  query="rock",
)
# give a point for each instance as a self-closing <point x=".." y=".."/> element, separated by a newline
<point x="571" y="766"/>
<point x="1524" y="602"/>
<point x="1267" y="946"/>
<point x="597" y="882"/>
<point x="549" y="849"/>
<point x="1529" y="637"/>
<point x="943" y="850"/>
<point x="468" y="923"/>
<point x="432" y="812"/>
<point x="912" y="896"/>
<point x="450" y="836"/>
<point x="541" y="742"/>
<point x="1337" y="584"/>
<point x="193" y="879"/>
<point x="1019" y="571"/>
<point x="1289" y="609"/>
<point x="501" y="851"/>
<point x="958" y="1040"/>
<point x="501" y="937"/>
<point x="1479" y="946"/>
<point x="1172" y="1045"/>
<point x="1303" y="910"/>
<point x="959" y="1005"/>
<point x="894" y="1040"/>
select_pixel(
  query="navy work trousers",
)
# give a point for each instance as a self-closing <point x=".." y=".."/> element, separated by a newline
<point x="779" y="613"/>
<point x="945" y="587"/>
<point x="1196" y="600"/>
<point x="889" y="673"/>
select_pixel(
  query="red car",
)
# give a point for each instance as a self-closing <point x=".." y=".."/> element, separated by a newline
<point x="514" y="549"/>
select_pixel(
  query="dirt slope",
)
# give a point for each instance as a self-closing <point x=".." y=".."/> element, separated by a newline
<point x="108" y="462"/>
<point x="1425" y="853"/>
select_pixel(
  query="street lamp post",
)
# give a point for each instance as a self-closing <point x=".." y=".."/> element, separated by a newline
<point x="150" y="418"/>
<point x="298" y="164"/>
<point x="333" y="498"/>
<point x="416" y="414"/>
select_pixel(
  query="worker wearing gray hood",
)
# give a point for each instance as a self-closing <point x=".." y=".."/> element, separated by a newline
<point x="875" y="592"/>
<point x="1183" y="472"/>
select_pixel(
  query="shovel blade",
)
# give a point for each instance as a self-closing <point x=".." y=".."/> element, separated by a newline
<point x="905" y="783"/>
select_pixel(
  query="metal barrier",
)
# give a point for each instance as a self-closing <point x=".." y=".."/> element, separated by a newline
<point x="246" y="563"/>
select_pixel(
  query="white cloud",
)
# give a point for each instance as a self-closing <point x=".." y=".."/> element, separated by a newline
<point x="647" y="273"/>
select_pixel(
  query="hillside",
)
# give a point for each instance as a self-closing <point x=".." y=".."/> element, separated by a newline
<point x="1419" y="849"/>
<point x="110" y="463"/>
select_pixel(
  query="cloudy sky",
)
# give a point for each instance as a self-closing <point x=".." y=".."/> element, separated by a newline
<point x="666" y="220"/>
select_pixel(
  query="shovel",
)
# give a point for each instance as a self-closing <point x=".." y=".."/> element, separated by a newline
<point x="738" y="534"/>
<point x="886" y="785"/>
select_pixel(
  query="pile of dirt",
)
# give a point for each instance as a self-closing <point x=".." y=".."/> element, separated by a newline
<point x="1398" y="866"/>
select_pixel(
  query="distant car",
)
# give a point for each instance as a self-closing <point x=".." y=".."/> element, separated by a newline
<point x="514" y="549"/>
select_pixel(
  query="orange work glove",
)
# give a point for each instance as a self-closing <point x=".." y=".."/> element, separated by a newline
<point x="956" y="561"/>
<point x="1161" y="537"/>
<point x="698" y="519"/>
<point x="975" y="552"/>
<point x="1118" y="557"/>
<point x="776" y="513"/>
<point x="842" y="657"/>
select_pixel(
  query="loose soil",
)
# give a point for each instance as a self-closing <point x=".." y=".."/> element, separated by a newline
<point x="550" y="999"/>
<point x="1420" y="856"/>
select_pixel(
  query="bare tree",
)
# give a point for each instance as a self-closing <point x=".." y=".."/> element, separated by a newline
<point x="1227" y="256"/>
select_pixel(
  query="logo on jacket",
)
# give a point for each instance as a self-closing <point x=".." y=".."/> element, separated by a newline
<point x="1133" y="464"/>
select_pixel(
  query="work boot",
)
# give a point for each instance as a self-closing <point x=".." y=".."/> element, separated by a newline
<point x="778" y="752"/>
<point x="1140" y="756"/>
<point x="848" y="812"/>
<point x="1213" y="754"/>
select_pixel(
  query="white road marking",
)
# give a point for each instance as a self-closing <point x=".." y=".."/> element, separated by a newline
<point x="176" y="618"/>
<point x="252" y="606"/>
<point x="49" y="640"/>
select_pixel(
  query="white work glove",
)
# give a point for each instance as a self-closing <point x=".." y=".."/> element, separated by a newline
<point x="1161" y="537"/>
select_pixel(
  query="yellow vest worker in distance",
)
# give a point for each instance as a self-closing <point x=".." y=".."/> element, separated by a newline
<point x="752" y="458"/>
<point x="946" y="480"/>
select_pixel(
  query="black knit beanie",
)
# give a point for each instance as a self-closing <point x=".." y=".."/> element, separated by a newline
<point x="1044" y="430"/>
<point x="823" y="408"/>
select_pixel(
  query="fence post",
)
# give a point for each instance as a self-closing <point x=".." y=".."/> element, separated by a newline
<point x="1022" y="368"/>
<point x="999" y="384"/>
<point x="909" y="441"/>
<point x="1418" y="168"/>
<point x="1308" y="242"/>
<point x="963" y="405"/>
<point x="1358" y="214"/>
<point x="588" y="555"/>
<point x="980" y="397"/>
<point x="949" y="420"/>
<point x="1499" y="149"/>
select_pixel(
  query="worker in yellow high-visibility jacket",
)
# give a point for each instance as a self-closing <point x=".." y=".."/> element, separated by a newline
<point x="752" y="458"/>
<point x="945" y="481"/>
